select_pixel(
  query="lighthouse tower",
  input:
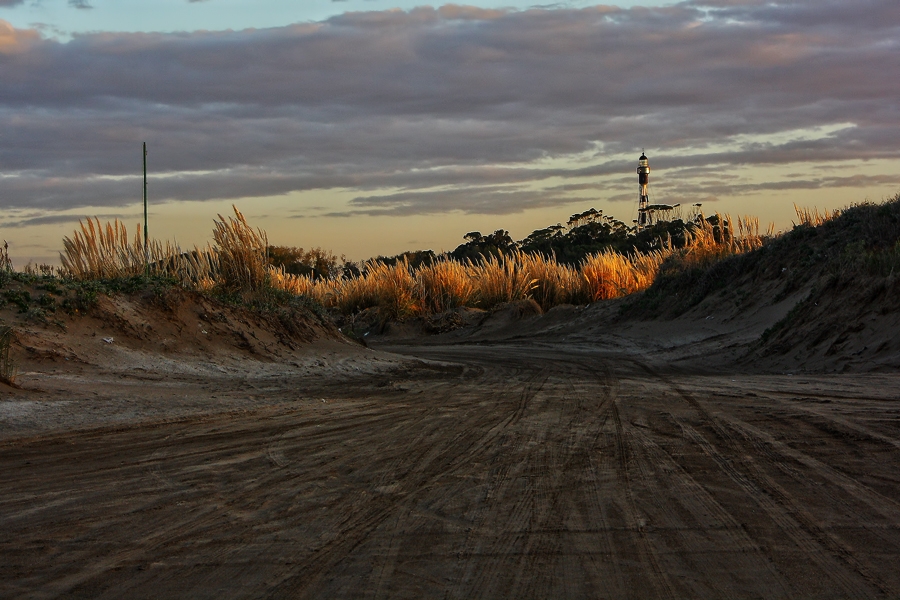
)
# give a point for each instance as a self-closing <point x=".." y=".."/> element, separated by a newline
<point x="643" y="172"/>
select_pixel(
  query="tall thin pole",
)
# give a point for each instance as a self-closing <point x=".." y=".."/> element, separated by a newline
<point x="146" y="242"/>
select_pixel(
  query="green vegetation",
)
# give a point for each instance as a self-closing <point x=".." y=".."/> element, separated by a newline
<point x="315" y="263"/>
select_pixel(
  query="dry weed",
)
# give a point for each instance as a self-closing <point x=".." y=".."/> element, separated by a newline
<point x="708" y="242"/>
<point x="444" y="285"/>
<point x="499" y="280"/>
<point x="6" y="265"/>
<point x="554" y="283"/>
<point x="395" y="288"/>
<point x="98" y="252"/>
<point x="242" y="254"/>
<point x="811" y="216"/>
<point x="354" y="295"/>
<point x="238" y="263"/>
<point x="610" y="275"/>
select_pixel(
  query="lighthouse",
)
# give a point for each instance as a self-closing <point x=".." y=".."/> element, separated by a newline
<point x="643" y="172"/>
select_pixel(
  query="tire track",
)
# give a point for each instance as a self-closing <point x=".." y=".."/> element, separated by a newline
<point x="712" y="516"/>
<point x="354" y="531"/>
<point x="832" y="557"/>
<point x="529" y="473"/>
<point x="777" y="450"/>
<point x="846" y="423"/>
<point x="796" y="524"/>
<point x="659" y="580"/>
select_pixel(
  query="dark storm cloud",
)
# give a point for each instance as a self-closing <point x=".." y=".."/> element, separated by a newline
<point x="456" y="96"/>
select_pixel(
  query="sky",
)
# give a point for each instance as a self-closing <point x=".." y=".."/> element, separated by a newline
<point x="371" y="127"/>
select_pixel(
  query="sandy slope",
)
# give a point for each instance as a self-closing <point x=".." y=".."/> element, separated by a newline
<point x="570" y="455"/>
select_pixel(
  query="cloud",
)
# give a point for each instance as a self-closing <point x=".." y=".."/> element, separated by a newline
<point x="454" y="108"/>
<point x="484" y="200"/>
<point x="14" y="40"/>
<point x="11" y="2"/>
<point x="83" y="4"/>
<point x="57" y="219"/>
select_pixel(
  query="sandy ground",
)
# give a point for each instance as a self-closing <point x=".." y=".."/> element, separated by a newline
<point x="530" y="459"/>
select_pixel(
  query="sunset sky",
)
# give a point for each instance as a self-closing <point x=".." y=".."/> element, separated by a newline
<point x="376" y="126"/>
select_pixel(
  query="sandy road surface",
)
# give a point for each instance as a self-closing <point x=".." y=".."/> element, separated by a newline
<point x="494" y="472"/>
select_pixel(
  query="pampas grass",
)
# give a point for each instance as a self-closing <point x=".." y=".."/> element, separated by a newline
<point x="609" y="275"/>
<point x="498" y="280"/>
<point x="444" y="285"/>
<point x="237" y="262"/>
<point x="98" y="252"/>
<point x="554" y="283"/>
<point x="707" y="243"/>
<point x="241" y="250"/>
<point x="811" y="216"/>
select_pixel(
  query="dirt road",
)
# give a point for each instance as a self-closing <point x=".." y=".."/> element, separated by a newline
<point x="491" y="471"/>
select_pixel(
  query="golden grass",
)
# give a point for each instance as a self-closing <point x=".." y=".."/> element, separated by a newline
<point x="554" y="283"/>
<point x="393" y="288"/>
<point x="238" y="263"/>
<point x="396" y="290"/>
<point x="353" y="295"/>
<point x="98" y="252"/>
<point x="611" y="275"/>
<point x="499" y="280"/>
<point x="444" y="285"/>
<point x="6" y="265"/>
<point x="812" y="217"/>
<point x="708" y="243"/>
<point x="243" y="262"/>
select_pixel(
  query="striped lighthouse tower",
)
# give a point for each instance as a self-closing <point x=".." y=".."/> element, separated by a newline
<point x="643" y="172"/>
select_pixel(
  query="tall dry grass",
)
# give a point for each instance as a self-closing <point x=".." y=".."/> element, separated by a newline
<point x="6" y="265"/>
<point x="444" y="285"/>
<point x="609" y="275"/>
<point x="238" y="262"/>
<point x="242" y="253"/>
<point x="105" y="252"/>
<point x="393" y="288"/>
<point x="396" y="289"/>
<point x="554" y="283"/>
<point x="498" y="280"/>
<point x="707" y="243"/>
<point x="812" y="217"/>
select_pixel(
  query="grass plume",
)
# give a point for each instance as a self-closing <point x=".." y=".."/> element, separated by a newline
<point x="444" y="284"/>
<point x="238" y="262"/>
